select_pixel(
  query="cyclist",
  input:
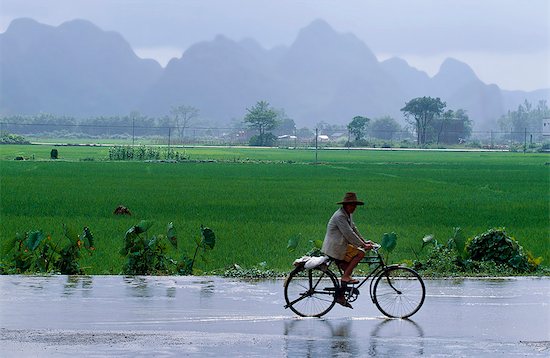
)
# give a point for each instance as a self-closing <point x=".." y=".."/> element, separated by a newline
<point x="344" y="243"/>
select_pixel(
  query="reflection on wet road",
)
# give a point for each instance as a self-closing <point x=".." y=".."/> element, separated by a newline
<point x="105" y="316"/>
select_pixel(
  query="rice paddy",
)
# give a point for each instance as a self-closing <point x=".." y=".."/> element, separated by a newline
<point x="256" y="199"/>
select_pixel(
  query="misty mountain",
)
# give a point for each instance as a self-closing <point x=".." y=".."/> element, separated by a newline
<point x="77" y="69"/>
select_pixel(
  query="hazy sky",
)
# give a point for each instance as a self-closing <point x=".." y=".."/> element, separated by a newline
<point x="506" y="42"/>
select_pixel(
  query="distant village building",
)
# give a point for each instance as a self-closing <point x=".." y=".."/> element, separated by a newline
<point x="546" y="127"/>
<point x="323" y="138"/>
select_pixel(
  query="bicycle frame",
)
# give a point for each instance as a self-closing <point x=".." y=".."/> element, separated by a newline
<point x="377" y="271"/>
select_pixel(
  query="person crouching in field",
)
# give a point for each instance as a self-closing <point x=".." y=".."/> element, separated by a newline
<point x="344" y="243"/>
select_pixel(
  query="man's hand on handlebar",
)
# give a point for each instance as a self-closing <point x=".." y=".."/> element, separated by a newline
<point x="368" y="245"/>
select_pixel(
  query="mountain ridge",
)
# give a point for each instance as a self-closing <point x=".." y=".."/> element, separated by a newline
<point x="78" y="69"/>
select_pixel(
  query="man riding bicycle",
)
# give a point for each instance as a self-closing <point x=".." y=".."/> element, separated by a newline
<point x="344" y="243"/>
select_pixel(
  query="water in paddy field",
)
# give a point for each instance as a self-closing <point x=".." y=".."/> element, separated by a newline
<point x="102" y="316"/>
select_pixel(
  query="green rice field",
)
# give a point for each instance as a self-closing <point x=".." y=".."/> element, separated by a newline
<point x="256" y="199"/>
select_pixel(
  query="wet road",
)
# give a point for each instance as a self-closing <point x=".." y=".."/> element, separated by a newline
<point x="103" y="316"/>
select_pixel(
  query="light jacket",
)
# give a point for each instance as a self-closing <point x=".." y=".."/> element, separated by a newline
<point x="341" y="231"/>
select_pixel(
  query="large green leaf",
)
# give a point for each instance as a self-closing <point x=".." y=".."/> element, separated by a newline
<point x="130" y="234"/>
<point x="208" y="237"/>
<point x="143" y="226"/>
<point x="88" y="238"/>
<point x="70" y="234"/>
<point x="10" y="244"/>
<point x="34" y="239"/>
<point x="459" y="242"/>
<point x="172" y="235"/>
<point x="389" y="241"/>
<point x="293" y="243"/>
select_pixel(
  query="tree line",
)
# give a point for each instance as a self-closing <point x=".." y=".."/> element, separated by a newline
<point x="429" y="120"/>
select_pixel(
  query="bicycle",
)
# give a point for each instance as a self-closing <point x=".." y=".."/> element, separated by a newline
<point x="397" y="291"/>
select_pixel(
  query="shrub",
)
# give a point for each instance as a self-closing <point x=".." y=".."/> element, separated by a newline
<point x="34" y="252"/>
<point x="144" y="153"/>
<point x="150" y="256"/>
<point x="263" y="140"/>
<point x="146" y="256"/>
<point x="492" y="252"/>
<point x="9" y="138"/>
<point x="496" y="246"/>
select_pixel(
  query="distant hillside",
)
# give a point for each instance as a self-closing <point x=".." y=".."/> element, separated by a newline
<point x="77" y="69"/>
<point x="74" y="69"/>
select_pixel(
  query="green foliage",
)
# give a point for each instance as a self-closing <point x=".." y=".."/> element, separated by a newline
<point x="293" y="243"/>
<point x="205" y="244"/>
<point x="492" y="252"/>
<point x="262" y="118"/>
<point x="496" y="246"/>
<point x="526" y="117"/>
<point x="34" y="252"/>
<point x="172" y="235"/>
<point x="260" y="201"/>
<point x="388" y="244"/>
<point x="263" y="140"/>
<point x="384" y="128"/>
<point x="389" y="241"/>
<point x="358" y="127"/>
<point x="142" y="153"/>
<point x="9" y="138"/>
<point x="68" y="262"/>
<point x="259" y="271"/>
<point x="315" y="245"/>
<point x="423" y="111"/>
<point x="144" y="255"/>
<point x="54" y="154"/>
<point x="152" y="256"/>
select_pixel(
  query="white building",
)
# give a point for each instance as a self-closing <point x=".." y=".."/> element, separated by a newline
<point x="546" y="127"/>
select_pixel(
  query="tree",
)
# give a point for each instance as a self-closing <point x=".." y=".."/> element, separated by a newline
<point x="384" y="128"/>
<point x="526" y="117"/>
<point x="182" y="116"/>
<point x="358" y="127"/>
<point x="423" y="110"/>
<point x="452" y="127"/>
<point x="286" y="125"/>
<point x="263" y="119"/>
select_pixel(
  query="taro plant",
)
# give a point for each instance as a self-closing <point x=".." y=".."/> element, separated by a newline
<point x="34" y="252"/>
<point x="388" y="244"/>
<point x="446" y="257"/>
<point x="206" y="243"/>
<point x="496" y="246"/>
<point x="152" y="255"/>
<point x="144" y="255"/>
<point x="493" y="252"/>
<point x="315" y="245"/>
<point x="69" y="255"/>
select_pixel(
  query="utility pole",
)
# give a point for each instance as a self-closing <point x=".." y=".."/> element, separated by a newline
<point x="316" y="144"/>
<point x="525" y="142"/>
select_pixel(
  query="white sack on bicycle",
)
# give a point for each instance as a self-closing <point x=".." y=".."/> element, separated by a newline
<point x="315" y="261"/>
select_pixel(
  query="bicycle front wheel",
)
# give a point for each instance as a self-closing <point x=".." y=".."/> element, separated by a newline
<point x="310" y="293"/>
<point x="399" y="292"/>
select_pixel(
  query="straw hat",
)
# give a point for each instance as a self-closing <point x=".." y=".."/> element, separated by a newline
<point x="351" y="198"/>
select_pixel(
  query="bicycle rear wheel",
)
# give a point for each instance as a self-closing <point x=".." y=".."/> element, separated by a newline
<point x="399" y="292"/>
<point x="310" y="293"/>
